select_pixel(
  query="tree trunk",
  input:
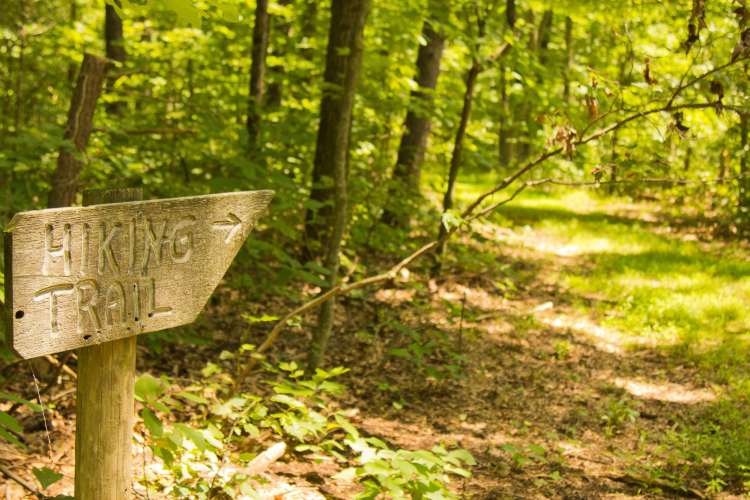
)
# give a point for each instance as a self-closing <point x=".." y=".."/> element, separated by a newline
<point x="613" y="165"/>
<point x="281" y="33"/>
<point x="330" y="168"/>
<point x="458" y="146"/>
<point x="115" y="47"/>
<point x="510" y="13"/>
<point x="569" y="59"/>
<point x="77" y="130"/>
<point x="257" y="72"/>
<point x="19" y="83"/>
<point x="744" y="181"/>
<point x="73" y="19"/>
<point x="504" y="129"/>
<point x="406" y="173"/>
<point x="544" y="34"/>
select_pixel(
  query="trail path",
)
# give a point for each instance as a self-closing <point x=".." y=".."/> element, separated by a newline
<point x="554" y="403"/>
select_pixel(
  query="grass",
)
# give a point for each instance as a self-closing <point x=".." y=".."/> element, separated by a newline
<point x="687" y="297"/>
<point x="657" y="288"/>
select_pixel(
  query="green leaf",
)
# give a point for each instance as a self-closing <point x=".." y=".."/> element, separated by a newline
<point x="12" y="397"/>
<point x="347" y="474"/>
<point x="148" y="387"/>
<point x="464" y="456"/>
<point x="9" y="422"/>
<point x="46" y="477"/>
<point x="194" y="398"/>
<point x="265" y="318"/>
<point x="287" y="400"/>
<point x="7" y="436"/>
<point x="187" y="13"/>
<point x="193" y="435"/>
<point x="152" y="423"/>
<point x="451" y="220"/>
<point x="400" y="352"/>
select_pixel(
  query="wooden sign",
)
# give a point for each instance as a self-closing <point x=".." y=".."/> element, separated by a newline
<point x="82" y="276"/>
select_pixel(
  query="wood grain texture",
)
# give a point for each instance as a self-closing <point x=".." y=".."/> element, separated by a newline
<point x="104" y="403"/>
<point x="82" y="276"/>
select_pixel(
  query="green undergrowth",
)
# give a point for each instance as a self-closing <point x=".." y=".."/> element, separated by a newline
<point x="204" y="434"/>
<point x="661" y="289"/>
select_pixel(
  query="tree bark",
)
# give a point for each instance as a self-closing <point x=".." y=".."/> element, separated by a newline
<point x="73" y="19"/>
<point x="613" y="158"/>
<point x="77" y="130"/>
<point x="510" y="13"/>
<point x="417" y="125"/>
<point x="19" y="83"/>
<point x="744" y="181"/>
<point x="458" y="147"/>
<point x="504" y="129"/>
<point x="115" y="50"/>
<point x="330" y="168"/>
<point x="569" y="58"/>
<point x="280" y="32"/>
<point x="544" y="34"/>
<point x="257" y="74"/>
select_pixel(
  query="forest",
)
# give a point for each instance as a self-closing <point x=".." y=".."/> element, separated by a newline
<point x="506" y="253"/>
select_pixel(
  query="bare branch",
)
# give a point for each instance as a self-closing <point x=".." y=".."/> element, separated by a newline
<point x="470" y="214"/>
<point x="18" y="479"/>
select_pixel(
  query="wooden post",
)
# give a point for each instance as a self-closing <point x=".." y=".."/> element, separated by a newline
<point x="104" y="402"/>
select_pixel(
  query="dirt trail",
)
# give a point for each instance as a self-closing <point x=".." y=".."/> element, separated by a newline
<point x="551" y="403"/>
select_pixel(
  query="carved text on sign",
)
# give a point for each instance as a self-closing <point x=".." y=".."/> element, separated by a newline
<point x="80" y="276"/>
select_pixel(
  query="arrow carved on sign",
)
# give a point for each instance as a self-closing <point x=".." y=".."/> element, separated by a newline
<point x="79" y="276"/>
<point x="233" y="223"/>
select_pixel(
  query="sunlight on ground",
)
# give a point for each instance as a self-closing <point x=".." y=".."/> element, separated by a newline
<point x="603" y="338"/>
<point x="660" y="289"/>
<point x="668" y="392"/>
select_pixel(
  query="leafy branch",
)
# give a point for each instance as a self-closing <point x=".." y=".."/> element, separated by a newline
<point x="472" y="213"/>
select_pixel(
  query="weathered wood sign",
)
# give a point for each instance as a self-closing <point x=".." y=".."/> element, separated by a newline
<point x="82" y="276"/>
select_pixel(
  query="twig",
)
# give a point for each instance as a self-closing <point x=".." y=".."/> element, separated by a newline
<point x="461" y="326"/>
<point x="12" y="476"/>
<point x="265" y="459"/>
<point x="63" y="366"/>
<point x="469" y="214"/>
<point x="703" y="76"/>
<point x="665" y="486"/>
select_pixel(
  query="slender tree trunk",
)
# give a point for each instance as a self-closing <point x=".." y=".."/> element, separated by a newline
<point x="330" y="168"/>
<point x="77" y="130"/>
<point x="280" y="33"/>
<point x="73" y="19"/>
<point x="458" y="145"/>
<point x="569" y="58"/>
<point x="544" y="35"/>
<point x="613" y="164"/>
<point x="115" y="49"/>
<point x="510" y="13"/>
<point x="744" y="181"/>
<point x="309" y="28"/>
<point x="19" y="83"/>
<point x="504" y="129"/>
<point x="257" y="73"/>
<point x="411" y="150"/>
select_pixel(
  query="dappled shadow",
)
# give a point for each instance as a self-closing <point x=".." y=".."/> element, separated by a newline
<point x="525" y="215"/>
<point x="665" y="262"/>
